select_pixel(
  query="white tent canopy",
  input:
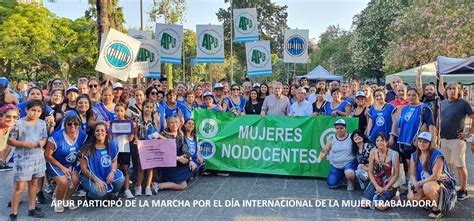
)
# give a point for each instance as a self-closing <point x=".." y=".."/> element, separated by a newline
<point x="429" y="75"/>
<point x="319" y="73"/>
<point x="449" y="65"/>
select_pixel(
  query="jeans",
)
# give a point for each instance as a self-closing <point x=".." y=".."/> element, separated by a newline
<point x="363" y="177"/>
<point x="90" y="186"/>
<point x="336" y="175"/>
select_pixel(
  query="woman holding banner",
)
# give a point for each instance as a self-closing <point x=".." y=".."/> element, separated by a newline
<point x="234" y="103"/>
<point x="254" y="104"/>
<point x="343" y="162"/>
<point x="177" y="176"/>
<point x="337" y="107"/>
<point x="209" y="102"/>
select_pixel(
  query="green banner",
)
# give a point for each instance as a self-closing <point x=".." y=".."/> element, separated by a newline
<point x="270" y="145"/>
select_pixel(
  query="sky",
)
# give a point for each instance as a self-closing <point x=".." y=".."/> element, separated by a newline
<point x="314" y="15"/>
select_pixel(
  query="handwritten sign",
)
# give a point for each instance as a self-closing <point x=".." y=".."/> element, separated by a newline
<point x="157" y="153"/>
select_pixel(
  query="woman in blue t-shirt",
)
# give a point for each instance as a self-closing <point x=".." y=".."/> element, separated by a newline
<point x="188" y="105"/>
<point x="337" y="107"/>
<point x="61" y="156"/>
<point x="234" y="103"/>
<point x="381" y="116"/>
<point x="427" y="166"/>
<point x="98" y="159"/>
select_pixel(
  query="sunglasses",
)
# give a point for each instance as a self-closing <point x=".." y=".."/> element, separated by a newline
<point x="57" y="83"/>
<point x="157" y="85"/>
<point x="153" y="93"/>
<point x="93" y="85"/>
<point x="70" y="124"/>
<point x="11" y="116"/>
<point x="236" y="89"/>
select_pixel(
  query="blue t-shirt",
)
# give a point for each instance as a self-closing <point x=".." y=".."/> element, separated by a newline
<point x="170" y="112"/>
<point x="238" y="107"/>
<point x="100" y="164"/>
<point x="381" y="120"/>
<point x="422" y="174"/>
<point x="103" y="113"/>
<point x="22" y="106"/>
<point x="65" y="153"/>
<point x="215" y="108"/>
<point x="410" y="122"/>
<point x="342" y="107"/>
<point x="185" y="110"/>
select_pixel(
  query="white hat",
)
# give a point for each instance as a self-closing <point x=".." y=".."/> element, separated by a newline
<point x="359" y="94"/>
<point x="208" y="94"/>
<point x="72" y="88"/>
<point x="218" y="85"/>
<point x="340" y="122"/>
<point x="256" y="84"/>
<point x="425" y="136"/>
<point x="117" y="85"/>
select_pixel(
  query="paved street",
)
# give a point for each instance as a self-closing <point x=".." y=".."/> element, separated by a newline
<point x="240" y="187"/>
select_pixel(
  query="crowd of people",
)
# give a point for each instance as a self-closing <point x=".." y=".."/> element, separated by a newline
<point x="60" y="139"/>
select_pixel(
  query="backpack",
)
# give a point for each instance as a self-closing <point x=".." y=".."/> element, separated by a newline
<point x="447" y="196"/>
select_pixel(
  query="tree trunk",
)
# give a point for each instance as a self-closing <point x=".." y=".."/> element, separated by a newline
<point x="102" y="24"/>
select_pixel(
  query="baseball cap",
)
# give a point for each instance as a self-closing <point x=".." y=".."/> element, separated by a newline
<point x="425" y="136"/>
<point x="256" y="84"/>
<point x="207" y="94"/>
<point x="72" y="88"/>
<point x="360" y="94"/>
<point x="340" y="122"/>
<point x="218" y="85"/>
<point x="117" y="85"/>
<point x="4" y="82"/>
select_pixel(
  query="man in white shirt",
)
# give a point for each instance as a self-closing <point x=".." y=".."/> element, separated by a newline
<point x="301" y="107"/>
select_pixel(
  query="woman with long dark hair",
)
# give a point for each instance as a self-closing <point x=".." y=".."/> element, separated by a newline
<point x="189" y="132"/>
<point x="254" y="104"/>
<point x="98" y="160"/>
<point x="234" y="103"/>
<point x="264" y="91"/>
<point x="84" y="112"/>
<point x="361" y="148"/>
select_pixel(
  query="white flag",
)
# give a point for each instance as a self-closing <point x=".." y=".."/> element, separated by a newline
<point x="296" y="46"/>
<point x="259" y="58"/>
<point x="117" y="55"/>
<point x="245" y="25"/>
<point x="170" y="39"/>
<point x="210" y="43"/>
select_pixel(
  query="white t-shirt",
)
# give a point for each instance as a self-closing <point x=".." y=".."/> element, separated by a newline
<point x="303" y="109"/>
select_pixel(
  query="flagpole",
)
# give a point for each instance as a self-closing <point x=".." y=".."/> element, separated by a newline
<point x="231" y="43"/>
<point x="184" y="63"/>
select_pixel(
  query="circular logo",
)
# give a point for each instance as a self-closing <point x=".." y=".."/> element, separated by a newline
<point x="208" y="128"/>
<point x="258" y="56"/>
<point x="118" y="55"/>
<point x="208" y="41"/>
<point x="245" y="24"/>
<point x="207" y="149"/>
<point x="149" y="53"/>
<point x="326" y="135"/>
<point x="170" y="41"/>
<point x="380" y="121"/>
<point x="71" y="157"/>
<point x="105" y="161"/>
<point x="295" y="45"/>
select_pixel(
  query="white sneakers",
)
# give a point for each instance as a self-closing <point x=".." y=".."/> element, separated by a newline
<point x="138" y="191"/>
<point x="59" y="208"/>
<point x="128" y="194"/>
<point x="350" y="185"/>
<point x="148" y="191"/>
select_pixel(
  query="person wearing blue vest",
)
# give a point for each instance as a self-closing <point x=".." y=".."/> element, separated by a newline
<point x="234" y="103"/>
<point x="61" y="156"/>
<point x="381" y="116"/>
<point x="189" y="132"/>
<point x="337" y="107"/>
<point x="105" y="109"/>
<point x="413" y="118"/>
<point x="170" y="106"/>
<point x="98" y="160"/>
<point x="427" y="166"/>
<point x="188" y="105"/>
<point x="85" y="114"/>
<point x="209" y="102"/>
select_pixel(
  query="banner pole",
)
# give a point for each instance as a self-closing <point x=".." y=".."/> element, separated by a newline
<point x="231" y="43"/>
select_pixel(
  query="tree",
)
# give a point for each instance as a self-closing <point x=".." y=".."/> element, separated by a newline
<point x="428" y="30"/>
<point x="271" y="28"/>
<point x="370" y="38"/>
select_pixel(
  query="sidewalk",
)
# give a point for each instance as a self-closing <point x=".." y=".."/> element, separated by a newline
<point x="241" y="187"/>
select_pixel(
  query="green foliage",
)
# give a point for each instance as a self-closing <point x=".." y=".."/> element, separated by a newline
<point x="36" y="45"/>
<point x="428" y="30"/>
<point x="172" y="11"/>
<point x="115" y="14"/>
<point x="370" y="37"/>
